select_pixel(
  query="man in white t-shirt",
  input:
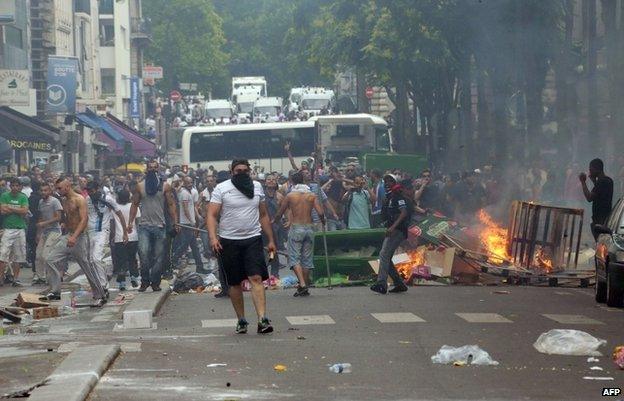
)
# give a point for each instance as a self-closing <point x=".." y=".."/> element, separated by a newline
<point x="187" y="236"/>
<point x="237" y="207"/>
<point x="125" y="250"/>
<point x="100" y="209"/>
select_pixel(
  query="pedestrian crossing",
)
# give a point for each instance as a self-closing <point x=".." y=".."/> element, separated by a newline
<point x="408" y="317"/>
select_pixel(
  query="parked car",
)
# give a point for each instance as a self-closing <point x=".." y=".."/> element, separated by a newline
<point x="610" y="258"/>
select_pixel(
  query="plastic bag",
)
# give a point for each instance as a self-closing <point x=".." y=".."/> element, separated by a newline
<point x="210" y="280"/>
<point x="466" y="355"/>
<point x="568" y="342"/>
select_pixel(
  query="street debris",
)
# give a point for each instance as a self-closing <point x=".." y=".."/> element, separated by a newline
<point x="461" y="356"/>
<point x="596" y="368"/>
<point x="45" y="312"/>
<point x="341" y="368"/>
<point x="568" y="342"/>
<point x="28" y="300"/>
<point x="279" y="368"/>
<point x="216" y="365"/>
<point x="592" y="359"/>
<point x="301" y="338"/>
<point x="618" y="356"/>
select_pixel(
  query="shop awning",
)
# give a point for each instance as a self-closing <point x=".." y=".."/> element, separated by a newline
<point x="27" y="133"/>
<point x="141" y="147"/>
<point x="93" y="121"/>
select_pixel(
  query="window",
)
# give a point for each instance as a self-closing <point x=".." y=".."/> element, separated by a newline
<point x="107" y="6"/>
<point x="382" y="139"/>
<point x="13" y="36"/>
<point x="267" y="144"/>
<point x="82" y="6"/>
<point x="107" y="33"/>
<point x="108" y="81"/>
<point x="347" y="130"/>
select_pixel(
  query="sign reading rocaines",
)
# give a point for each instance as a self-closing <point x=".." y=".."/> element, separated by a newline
<point x="38" y="146"/>
<point x="14" y="88"/>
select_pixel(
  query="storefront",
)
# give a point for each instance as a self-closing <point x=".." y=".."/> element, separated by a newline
<point x="30" y="139"/>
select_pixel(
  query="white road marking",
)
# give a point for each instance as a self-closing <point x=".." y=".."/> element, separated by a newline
<point x="399" y="317"/>
<point x="571" y="319"/>
<point x="483" y="318"/>
<point x="216" y="323"/>
<point x="312" y="319"/>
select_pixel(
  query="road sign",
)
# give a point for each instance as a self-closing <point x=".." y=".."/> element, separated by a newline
<point x="152" y="71"/>
<point x="369" y="92"/>
<point x="175" y="96"/>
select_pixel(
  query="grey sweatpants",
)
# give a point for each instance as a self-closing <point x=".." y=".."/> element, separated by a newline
<point x="57" y="261"/>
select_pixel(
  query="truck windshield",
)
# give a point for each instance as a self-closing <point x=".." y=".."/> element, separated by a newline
<point x="245" y="107"/>
<point x="315" y="104"/>
<point x="270" y="110"/>
<point x="218" y="113"/>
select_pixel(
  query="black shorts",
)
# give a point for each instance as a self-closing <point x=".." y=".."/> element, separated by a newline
<point x="243" y="258"/>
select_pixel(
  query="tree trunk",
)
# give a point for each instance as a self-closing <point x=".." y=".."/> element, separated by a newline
<point x="466" y="141"/>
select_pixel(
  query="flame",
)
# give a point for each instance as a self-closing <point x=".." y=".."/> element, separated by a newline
<point x="541" y="260"/>
<point x="493" y="238"/>
<point x="417" y="258"/>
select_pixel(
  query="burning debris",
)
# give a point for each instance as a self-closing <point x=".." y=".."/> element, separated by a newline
<point x="493" y="238"/>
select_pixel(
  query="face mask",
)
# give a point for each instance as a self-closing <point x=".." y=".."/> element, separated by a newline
<point x="244" y="183"/>
<point x="152" y="182"/>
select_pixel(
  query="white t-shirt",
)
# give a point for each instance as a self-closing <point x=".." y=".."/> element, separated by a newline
<point x="185" y="197"/>
<point x="125" y="211"/>
<point x="195" y="194"/>
<point x="206" y="195"/>
<point x="240" y="216"/>
<point x="97" y="223"/>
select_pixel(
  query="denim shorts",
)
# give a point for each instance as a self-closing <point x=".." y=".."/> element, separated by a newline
<point x="300" y="244"/>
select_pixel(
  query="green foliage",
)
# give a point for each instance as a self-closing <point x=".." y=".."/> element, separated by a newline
<point x="188" y="42"/>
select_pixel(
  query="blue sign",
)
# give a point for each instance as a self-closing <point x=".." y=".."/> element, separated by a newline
<point x="135" y="105"/>
<point x="61" y="90"/>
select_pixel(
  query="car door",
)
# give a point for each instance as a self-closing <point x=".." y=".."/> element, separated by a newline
<point x="604" y="243"/>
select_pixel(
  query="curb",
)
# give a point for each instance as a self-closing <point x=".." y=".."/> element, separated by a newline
<point x="77" y="375"/>
<point x="138" y="315"/>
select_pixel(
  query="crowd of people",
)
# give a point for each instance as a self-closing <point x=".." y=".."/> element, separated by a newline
<point x="235" y="223"/>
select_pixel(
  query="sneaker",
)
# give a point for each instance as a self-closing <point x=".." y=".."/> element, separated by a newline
<point x="121" y="286"/>
<point x="241" y="326"/>
<point x="264" y="326"/>
<point x="99" y="303"/>
<point x="134" y="281"/>
<point x="398" y="288"/>
<point x="16" y="283"/>
<point x="221" y="294"/>
<point x="156" y="288"/>
<point x="302" y="292"/>
<point x="144" y="287"/>
<point x="53" y="296"/>
<point x="379" y="287"/>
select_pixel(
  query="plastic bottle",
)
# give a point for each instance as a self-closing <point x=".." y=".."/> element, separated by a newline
<point x="340" y="368"/>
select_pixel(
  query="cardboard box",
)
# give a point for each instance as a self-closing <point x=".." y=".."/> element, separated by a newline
<point x="45" y="312"/>
<point x="28" y="300"/>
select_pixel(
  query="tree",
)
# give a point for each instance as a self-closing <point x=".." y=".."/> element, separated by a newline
<point x="188" y="42"/>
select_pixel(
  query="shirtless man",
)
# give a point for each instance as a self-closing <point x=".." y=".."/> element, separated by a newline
<point x="75" y="243"/>
<point x="301" y="201"/>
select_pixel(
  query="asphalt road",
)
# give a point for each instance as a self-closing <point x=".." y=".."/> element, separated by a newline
<point x="391" y="360"/>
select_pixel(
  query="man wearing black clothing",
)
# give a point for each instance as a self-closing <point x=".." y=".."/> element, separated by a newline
<point x="601" y="195"/>
<point x="396" y="212"/>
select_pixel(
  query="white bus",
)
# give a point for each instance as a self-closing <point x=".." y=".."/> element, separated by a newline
<point x="340" y="136"/>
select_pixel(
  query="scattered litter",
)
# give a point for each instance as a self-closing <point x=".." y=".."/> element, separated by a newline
<point x="568" y="342"/>
<point x="289" y="281"/>
<point x="187" y="281"/>
<point x="592" y="359"/>
<point x="502" y="292"/>
<point x="405" y="342"/>
<point x="216" y="365"/>
<point x="341" y="368"/>
<point x="468" y="355"/>
<point x="618" y="356"/>
<point x="279" y="368"/>
<point x="597" y="378"/>
<point x="293" y="329"/>
<point x="596" y="368"/>
<point x="301" y="338"/>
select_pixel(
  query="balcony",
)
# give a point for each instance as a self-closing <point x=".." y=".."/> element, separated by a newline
<point x="141" y="31"/>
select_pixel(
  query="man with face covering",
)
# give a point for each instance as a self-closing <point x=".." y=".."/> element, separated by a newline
<point x="155" y="198"/>
<point x="238" y="206"/>
<point x="101" y="207"/>
<point x="396" y="212"/>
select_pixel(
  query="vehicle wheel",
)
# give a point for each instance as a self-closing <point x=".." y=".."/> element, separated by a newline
<point x="615" y="295"/>
<point x="601" y="292"/>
